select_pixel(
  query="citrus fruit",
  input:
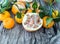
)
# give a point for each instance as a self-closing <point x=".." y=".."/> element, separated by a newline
<point x="45" y="22"/>
<point x="17" y="6"/>
<point x="4" y="15"/>
<point x="8" y="23"/>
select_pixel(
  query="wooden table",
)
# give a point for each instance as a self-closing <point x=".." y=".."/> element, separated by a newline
<point x="18" y="35"/>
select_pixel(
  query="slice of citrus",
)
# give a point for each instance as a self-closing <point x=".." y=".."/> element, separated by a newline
<point x="30" y="25"/>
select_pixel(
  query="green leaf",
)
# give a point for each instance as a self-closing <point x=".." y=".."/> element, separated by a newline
<point x="21" y="9"/>
<point x="50" y="11"/>
<point x="48" y="20"/>
<point x="41" y="8"/>
<point x="27" y="5"/>
<point x="5" y="3"/>
<point x="42" y="14"/>
<point x="59" y="14"/>
<point x="57" y="19"/>
<point x="18" y="15"/>
<point x="8" y="6"/>
<point x="2" y="10"/>
<point x="35" y="5"/>
<point x="58" y="1"/>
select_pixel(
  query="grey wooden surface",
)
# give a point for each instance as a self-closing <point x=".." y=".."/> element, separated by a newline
<point x="18" y="35"/>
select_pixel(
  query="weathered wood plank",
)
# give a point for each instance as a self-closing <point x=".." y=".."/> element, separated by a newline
<point x="19" y="36"/>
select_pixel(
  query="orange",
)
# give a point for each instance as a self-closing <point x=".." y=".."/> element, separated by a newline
<point x="15" y="9"/>
<point x="8" y="23"/>
<point x="4" y="15"/>
<point x="1" y="17"/>
<point x="44" y="23"/>
<point x="19" y="20"/>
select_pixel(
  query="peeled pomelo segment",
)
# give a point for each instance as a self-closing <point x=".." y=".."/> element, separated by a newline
<point x="27" y="27"/>
<point x="25" y="0"/>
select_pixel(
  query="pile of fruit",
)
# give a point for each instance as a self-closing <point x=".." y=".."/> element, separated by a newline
<point x="31" y="14"/>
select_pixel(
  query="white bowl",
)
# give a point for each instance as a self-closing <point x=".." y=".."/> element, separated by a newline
<point x="31" y="29"/>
